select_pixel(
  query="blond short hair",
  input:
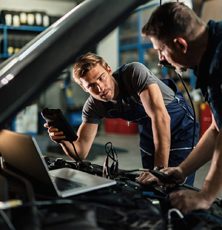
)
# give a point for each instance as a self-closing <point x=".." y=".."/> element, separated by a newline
<point x="85" y="63"/>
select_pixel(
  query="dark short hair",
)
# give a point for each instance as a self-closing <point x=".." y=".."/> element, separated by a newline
<point x="85" y="63"/>
<point x="171" y="19"/>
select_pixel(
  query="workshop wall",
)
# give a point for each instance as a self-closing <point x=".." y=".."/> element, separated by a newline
<point x="51" y="7"/>
<point x="56" y="96"/>
<point x="211" y="10"/>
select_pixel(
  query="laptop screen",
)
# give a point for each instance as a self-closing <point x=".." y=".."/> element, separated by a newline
<point x="22" y="153"/>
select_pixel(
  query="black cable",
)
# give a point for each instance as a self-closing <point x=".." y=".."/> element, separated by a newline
<point x="3" y="188"/>
<point x="112" y="171"/>
<point x="4" y="197"/>
<point x="135" y="170"/>
<point x="191" y="102"/>
<point x="76" y="155"/>
<point x="34" y="221"/>
<point x="7" y="220"/>
<point x="110" y="151"/>
<point x="168" y="65"/>
<point x="28" y="187"/>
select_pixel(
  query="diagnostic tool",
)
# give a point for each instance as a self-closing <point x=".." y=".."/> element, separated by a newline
<point x="163" y="177"/>
<point x="55" y="118"/>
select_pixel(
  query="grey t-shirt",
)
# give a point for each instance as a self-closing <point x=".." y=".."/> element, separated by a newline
<point x="132" y="79"/>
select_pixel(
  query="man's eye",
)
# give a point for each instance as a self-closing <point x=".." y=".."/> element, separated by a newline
<point x="91" y="86"/>
<point x="102" y="77"/>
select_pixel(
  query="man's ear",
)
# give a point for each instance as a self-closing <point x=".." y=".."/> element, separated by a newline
<point x="108" y="69"/>
<point x="181" y="44"/>
<point x="80" y="84"/>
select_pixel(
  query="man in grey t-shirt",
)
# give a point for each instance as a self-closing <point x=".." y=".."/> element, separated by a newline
<point x="135" y="94"/>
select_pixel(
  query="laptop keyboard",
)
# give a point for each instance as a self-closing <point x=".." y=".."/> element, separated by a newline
<point x="63" y="184"/>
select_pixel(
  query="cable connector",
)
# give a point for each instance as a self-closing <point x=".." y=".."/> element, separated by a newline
<point x="169" y="217"/>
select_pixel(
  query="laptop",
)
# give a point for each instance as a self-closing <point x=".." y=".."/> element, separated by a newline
<point x="23" y="153"/>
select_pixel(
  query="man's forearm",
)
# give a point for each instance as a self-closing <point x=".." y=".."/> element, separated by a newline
<point x="81" y="147"/>
<point x="201" y="154"/>
<point x="213" y="184"/>
<point x="72" y="151"/>
<point x="154" y="106"/>
<point x="161" y="135"/>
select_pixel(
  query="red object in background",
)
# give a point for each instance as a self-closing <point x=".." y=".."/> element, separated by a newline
<point x="120" y="126"/>
<point x="205" y="118"/>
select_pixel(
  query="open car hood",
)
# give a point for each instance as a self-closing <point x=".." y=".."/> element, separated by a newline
<point x="26" y="74"/>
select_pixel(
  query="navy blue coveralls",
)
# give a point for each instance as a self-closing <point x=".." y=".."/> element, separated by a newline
<point x="209" y="72"/>
<point x="182" y="126"/>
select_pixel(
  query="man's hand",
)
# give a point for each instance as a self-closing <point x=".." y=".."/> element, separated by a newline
<point x="54" y="134"/>
<point x="147" y="178"/>
<point x="187" y="200"/>
<point x="175" y="174"/>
